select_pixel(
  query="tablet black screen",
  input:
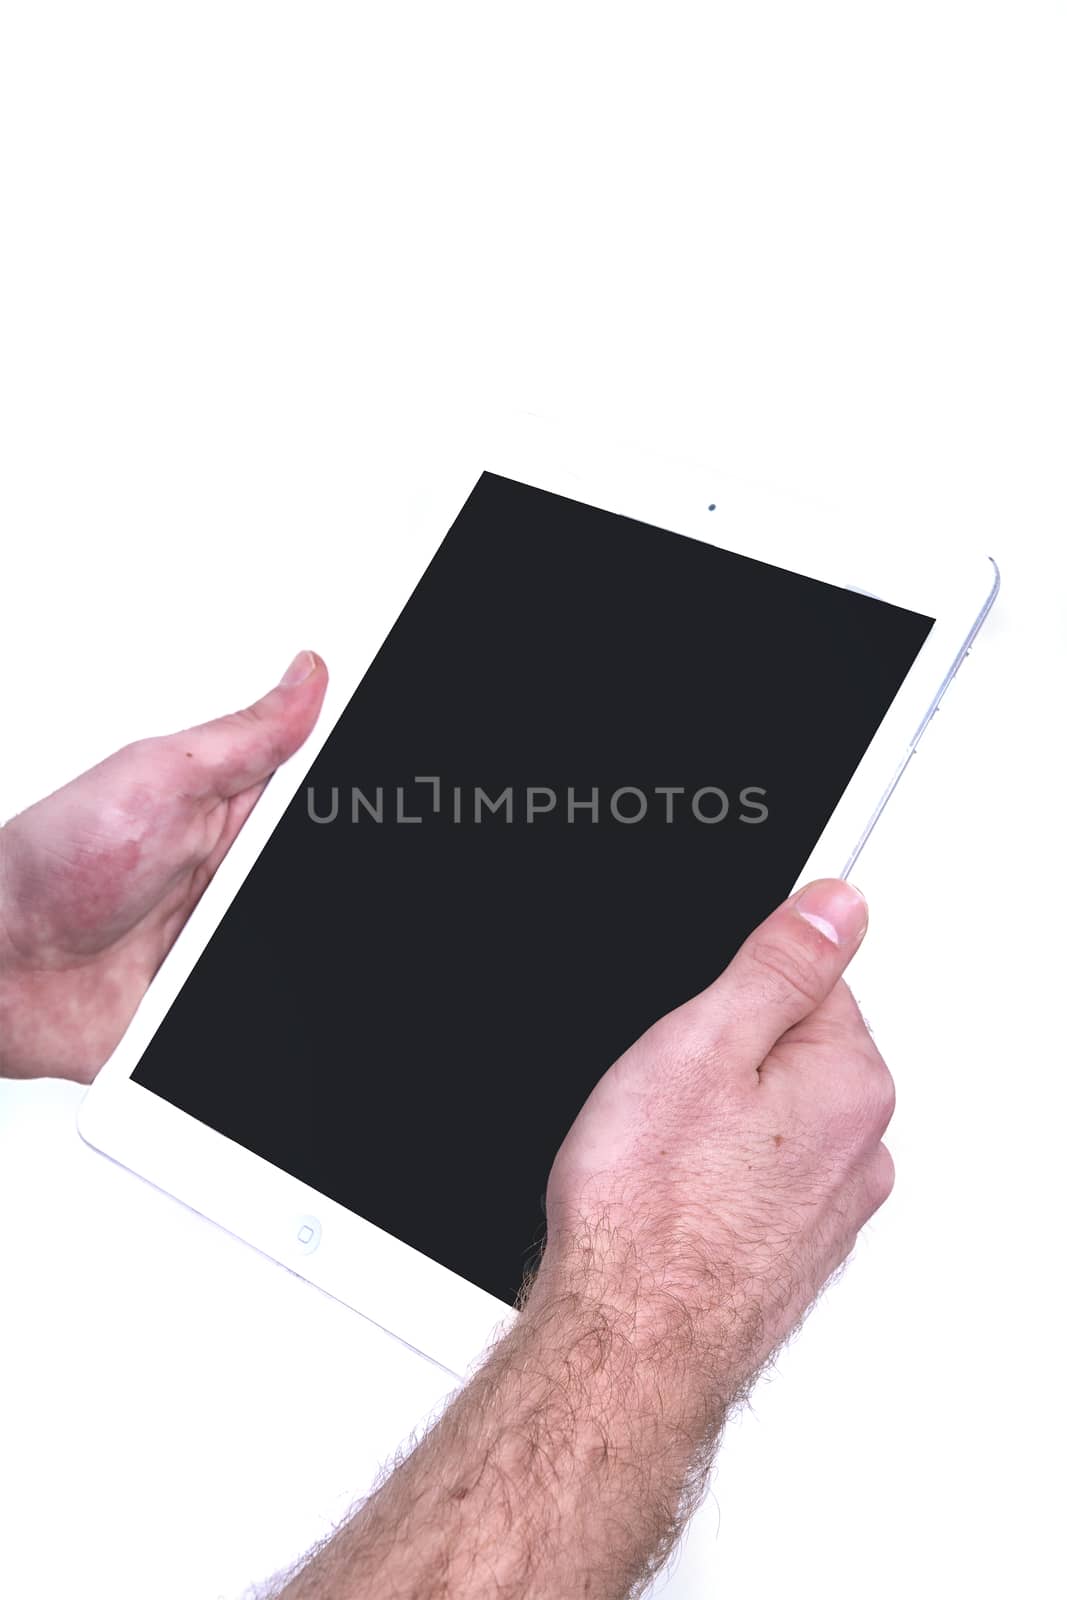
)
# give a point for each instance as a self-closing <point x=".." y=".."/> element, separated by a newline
<point x="407" y="1015"/>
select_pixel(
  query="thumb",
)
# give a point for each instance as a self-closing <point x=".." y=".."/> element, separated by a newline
<point x="784" y="970"/>
<point x="235" y="752"/>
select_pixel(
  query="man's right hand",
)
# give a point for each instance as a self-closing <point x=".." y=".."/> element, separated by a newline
<point x="721" y="1169"/>
<point x="715" y="1178"/>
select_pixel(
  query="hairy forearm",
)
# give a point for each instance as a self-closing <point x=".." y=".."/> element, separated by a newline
<point x="565" y="1467"/>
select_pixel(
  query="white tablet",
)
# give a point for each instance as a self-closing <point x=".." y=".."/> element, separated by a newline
<point x="626" y="709"/>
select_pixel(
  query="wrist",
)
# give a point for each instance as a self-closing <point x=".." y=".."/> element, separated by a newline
<point x="683" y="1323"/>
<point x="609" y="1425"/>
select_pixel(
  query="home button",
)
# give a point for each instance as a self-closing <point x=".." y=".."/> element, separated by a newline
<point x="307" y="1232"/>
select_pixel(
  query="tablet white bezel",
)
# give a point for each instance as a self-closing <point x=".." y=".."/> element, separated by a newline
<point x="413" y="1297"/>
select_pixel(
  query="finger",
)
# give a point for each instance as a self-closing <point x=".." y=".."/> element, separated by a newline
<point x="222" y="758"/>
<point x="836" y="1020"/>
<point x="238" y="810"/>
<point x="880" y="1178"/>
<point x="831" y="1049"/>
<point x="783" y="971"/>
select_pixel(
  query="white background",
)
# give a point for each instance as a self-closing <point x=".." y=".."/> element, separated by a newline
<point x="248" y="252"/>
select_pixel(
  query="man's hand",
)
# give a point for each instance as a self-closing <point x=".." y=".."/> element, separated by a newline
<point x="716" y="1177"/>
<point x="97" y="880"/>
<point x="728" y="1159"/>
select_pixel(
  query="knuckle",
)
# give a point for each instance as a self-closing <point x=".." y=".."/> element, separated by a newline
<point x="888" y="1094"/>
<point x="880" y="1099"/>
<point x="253" y="712"/>
<point x="258" y="731"/>
<point x="248" y="717"/>
<point x="881" y="1177"/>
<point x="788" y="966"/>
<point x="144" y="749"/>
<point x="144" y="765"/>
<point x="865" y="1102"/>
<point x="875" y="1102"/>
<point x="683" y="1047"/>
